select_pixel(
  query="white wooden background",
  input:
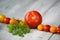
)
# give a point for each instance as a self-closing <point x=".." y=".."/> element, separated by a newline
<point x="49" y="9"/>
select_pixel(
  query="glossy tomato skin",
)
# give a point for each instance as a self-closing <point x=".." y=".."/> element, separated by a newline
<point x="18" y="21"/>
<point x="12" y="21"/>
<point x="58" y="30"/>
<point x="2" y="18"/>
<point x="6" y="20"/>
<point x="33" y="19"/>
<point x="47" y="28"/>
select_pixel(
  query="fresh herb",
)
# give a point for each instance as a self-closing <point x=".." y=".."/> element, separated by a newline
<point x="18" y="29"/>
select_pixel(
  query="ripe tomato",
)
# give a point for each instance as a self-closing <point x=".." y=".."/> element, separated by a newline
<point x="12" y="21"/>
<point x="53" y="29"/>
<point x="18" y="20"/>
<point x="6" y="20"/>
<point x="58" y="30"/>
<point x="40" y="27"/>
<point x="2" y="17"/>
<point x="33" y="19"/>
<point x="46" y="28"/>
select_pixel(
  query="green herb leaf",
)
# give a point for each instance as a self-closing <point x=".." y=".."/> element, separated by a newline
<point x="18" y="29"/>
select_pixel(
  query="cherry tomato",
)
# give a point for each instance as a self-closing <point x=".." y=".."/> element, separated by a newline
<point x="33" y="19"/>
<point x="6" y="20"/>
<point x="40" y="27"/>
<point x="53" y="29"/>
<point x="18" y="20"/>
<point x="47" y="28"/>
<point x="2" y="17"/>
<point x="58" y="29"/>
<point x="12" y="21"/>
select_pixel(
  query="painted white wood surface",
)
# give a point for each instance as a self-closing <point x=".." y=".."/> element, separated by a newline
<point x="49" y="9"/>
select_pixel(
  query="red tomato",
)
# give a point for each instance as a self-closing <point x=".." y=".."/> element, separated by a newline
<point x="58" y="30"/>
<point x="6" y="20"/>
<point x="18" y="21"/>
<point x="33" y="19"/>
<point x="46" y="28"/>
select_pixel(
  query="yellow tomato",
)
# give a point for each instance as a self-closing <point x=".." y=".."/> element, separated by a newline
<point x="2" y="17"/>
<point x="40" y="27"/>
<point x="21" y="23"/>
<point x="53" y="29"/>
<point x="12" y="21"/>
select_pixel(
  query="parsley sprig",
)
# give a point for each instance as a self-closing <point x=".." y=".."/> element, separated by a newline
<point x="18" y="29"/>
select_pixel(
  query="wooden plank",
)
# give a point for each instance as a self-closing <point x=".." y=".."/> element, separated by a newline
<point x="55" y="37"/>
<point x="37" y="35"/>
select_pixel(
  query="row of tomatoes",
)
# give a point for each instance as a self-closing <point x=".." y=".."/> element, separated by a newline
<point x="32" y="19"/>
<point x="7" y="20"/>
<point x="48" y="28"/>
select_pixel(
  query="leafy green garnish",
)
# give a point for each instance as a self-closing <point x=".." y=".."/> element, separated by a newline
<point x="18" y="29"/>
